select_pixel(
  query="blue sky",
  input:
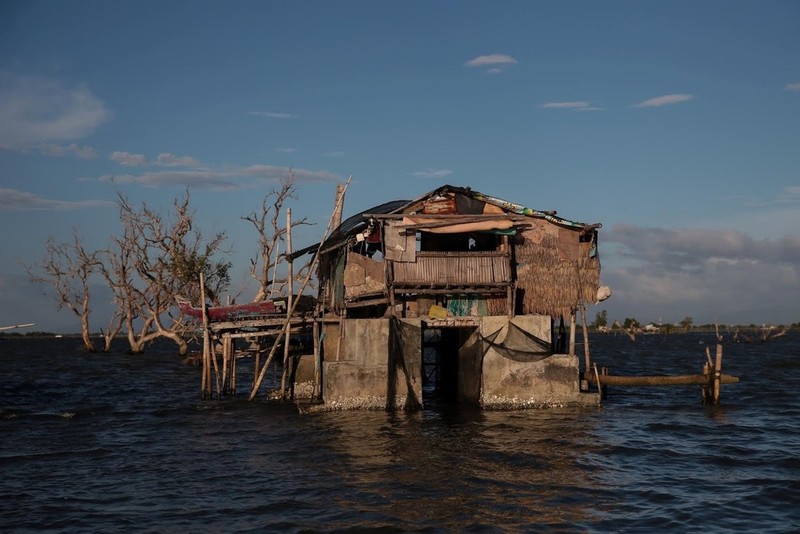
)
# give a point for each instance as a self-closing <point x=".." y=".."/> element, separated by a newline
<point x="674" y="124"/>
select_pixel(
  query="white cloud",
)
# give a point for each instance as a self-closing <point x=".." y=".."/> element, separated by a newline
<point x="165" y="159"/>
<point x="578" y="104"/>
<point x="664" y="100"/>
<point x="73" y="149"/>
<point x="490" y="60"/>
<point x="334" y="154"/>
<point x="286" y="150"/>
<point x="219" y="179"/>
<point x="127" y="159"/>
<point x="795" y="87"/>
<point x="16" y="200"/>
<point x="272" y="115"/>
<point x="35" y="110"/>
<point x="433" y="173"/>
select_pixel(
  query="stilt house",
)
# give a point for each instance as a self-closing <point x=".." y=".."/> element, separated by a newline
<point x="456" y="295"/>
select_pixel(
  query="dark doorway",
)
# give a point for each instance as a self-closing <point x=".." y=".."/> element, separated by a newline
<point x="441" y="362"/>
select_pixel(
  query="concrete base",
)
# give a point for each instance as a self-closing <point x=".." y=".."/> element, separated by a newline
<point x="381" y="359"/>
<point x="379" y="366"/>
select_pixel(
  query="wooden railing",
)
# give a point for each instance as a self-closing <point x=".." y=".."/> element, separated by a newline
<point x="453" y="269"/>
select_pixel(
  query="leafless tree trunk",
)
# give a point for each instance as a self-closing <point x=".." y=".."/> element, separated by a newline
<point x="67" y="267"/>
<point x="155" y="259"/>
<point x="270" y="236"/>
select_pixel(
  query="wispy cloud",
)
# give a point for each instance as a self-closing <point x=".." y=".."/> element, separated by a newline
<point x="73" y="149"/>
<point x="223" y="179"/>
<point x="576" y="105"/>
<point x="272" y="115"/>
<point x="35" y="110"/>
<point x="794" y="87"/>
<point x="16" y="200"/>
<point x="127" y="159"/>
<point x="495" y="63"/>
<point x="664" y="100"/>
<point x="286" y="150"/>
<point x="334" y="154"/>
<point x="165" y="159"/>
<point x="433" y="173"/>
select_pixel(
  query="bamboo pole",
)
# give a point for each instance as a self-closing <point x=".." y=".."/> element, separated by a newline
<point x="225" y="364"/>
<point x="289" y="277"/>
<point x="256" y="360"/>
<point x="572" y="334"/>
<point x="233" y="366"/>
<point x="317" y="390"/>
<point x="206" y="374"/>
<point x="254" y="391"/>
<point x="586" y="358"/>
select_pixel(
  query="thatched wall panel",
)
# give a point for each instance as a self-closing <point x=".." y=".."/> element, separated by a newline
<point x="549" y="283"/>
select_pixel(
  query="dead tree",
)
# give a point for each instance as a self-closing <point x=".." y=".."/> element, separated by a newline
<point x="155" y="259"/>
<point x="68" y="268"/>
<point x="271" y="235"/>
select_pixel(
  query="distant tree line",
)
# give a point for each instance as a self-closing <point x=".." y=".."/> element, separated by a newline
<point x="153" y="258"/>
<point x="631" y="326"/>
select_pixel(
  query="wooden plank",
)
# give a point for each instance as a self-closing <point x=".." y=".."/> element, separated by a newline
<point x="659" y="380"/>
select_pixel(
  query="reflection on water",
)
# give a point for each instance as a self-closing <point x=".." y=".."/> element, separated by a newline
<point x="114" y="442"/>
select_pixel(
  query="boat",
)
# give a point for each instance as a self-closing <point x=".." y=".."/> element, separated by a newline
<point x="233" y="312"/>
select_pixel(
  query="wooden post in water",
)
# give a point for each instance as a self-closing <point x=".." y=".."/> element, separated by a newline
<point x="317" y="391"/>
<point x="290" y="292"/>
<point x="232" y="352"/>
<point x="717" y="373"/>
<point x="206" y="374"/>
<point x="225" y="364"/>
<point x="572" y="335"/>
<point x="587" y="360"/>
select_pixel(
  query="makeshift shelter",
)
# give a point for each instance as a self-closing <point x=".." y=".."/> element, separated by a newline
<point x="454" y="291"/>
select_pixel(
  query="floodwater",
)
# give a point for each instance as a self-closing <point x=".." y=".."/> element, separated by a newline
<point x="119" y="443"/>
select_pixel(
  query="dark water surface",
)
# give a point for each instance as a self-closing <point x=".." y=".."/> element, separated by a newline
<point x="111" y="443"/>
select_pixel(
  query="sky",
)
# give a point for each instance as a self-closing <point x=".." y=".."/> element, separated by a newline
<point x="676" y="125"/>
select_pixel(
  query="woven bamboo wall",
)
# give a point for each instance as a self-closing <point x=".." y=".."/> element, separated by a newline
<point x="453" y="268"/>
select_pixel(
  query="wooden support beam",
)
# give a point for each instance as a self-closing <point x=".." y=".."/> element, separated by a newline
<point x="659" y="380"/>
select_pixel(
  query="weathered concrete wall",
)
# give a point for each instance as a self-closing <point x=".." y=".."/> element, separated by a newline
<point x="506" y="383"/>
<point x="379" y="367"/>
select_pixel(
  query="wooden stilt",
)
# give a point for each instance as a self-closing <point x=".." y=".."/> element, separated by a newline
<point x="317" y="391"/>
<point x="586" y="358"/>
<point x="290" y="282"/>
<point x="233" y="366"/>
<point x="225" y="364"/>
<point x="256" y="361"/>
<point x="206" y="373"/>
<point x="572" y="335"/>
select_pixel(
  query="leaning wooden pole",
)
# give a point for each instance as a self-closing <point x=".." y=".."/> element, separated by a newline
<point x="307" y="279"/>
<point x="290" y="281"/>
